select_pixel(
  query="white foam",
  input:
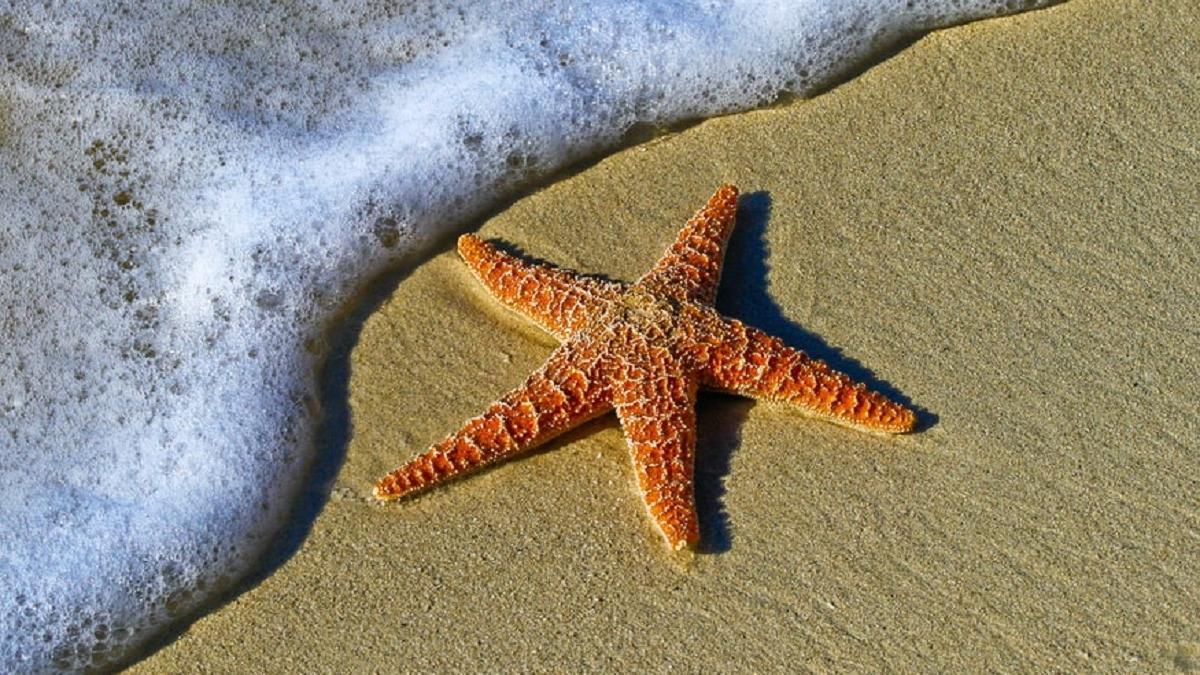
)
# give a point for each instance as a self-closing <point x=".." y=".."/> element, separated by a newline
<point x="191" y="189"/>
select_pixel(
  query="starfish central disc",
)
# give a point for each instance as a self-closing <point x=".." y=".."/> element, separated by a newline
<point x="643" y="350"/>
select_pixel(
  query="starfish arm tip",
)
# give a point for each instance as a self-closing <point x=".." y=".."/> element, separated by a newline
<point x="468" y="241"/>
<point x="383" y="493"/>
<point x="904" y="421"/>
<point x="685" y="545"/>
<point x="892" y="420"/>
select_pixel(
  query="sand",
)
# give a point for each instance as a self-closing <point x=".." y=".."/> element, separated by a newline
<point x="999" y="225"/>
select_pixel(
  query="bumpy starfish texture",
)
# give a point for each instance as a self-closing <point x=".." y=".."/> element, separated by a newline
<point x="642" y="349"/>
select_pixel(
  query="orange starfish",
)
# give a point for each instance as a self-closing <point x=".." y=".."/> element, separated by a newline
<point x="642" y="349"/>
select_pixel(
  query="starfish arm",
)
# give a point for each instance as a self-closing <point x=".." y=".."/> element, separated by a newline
<point x="565" y="392"/>
<point x="658" y="414"/>
<point x="746" y="361"/>
<point x="691" y="267"/>
<point x="558" y="300"/>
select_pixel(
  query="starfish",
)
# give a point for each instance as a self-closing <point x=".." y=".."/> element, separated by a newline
<point x="643" y="349"/>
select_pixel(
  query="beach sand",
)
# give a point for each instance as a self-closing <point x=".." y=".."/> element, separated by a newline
<point x="1000" y="225"/>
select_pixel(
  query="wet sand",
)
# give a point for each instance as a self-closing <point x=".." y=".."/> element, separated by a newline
<point x="998" y="225"/>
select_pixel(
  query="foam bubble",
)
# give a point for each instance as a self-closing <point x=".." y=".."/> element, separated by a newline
<point x="190" y="190"/>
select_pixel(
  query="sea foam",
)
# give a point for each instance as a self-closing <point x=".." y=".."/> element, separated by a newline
<point x="191" y="190"/>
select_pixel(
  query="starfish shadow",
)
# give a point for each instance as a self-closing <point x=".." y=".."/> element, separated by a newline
<point x="720" y="417"/>
<point x="719" y="420"/>
<point x="747" y="260"/>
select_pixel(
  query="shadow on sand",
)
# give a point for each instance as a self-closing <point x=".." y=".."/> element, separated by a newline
<point x="745" y="287"/>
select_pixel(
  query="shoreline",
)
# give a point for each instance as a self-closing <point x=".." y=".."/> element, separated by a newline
<point x="969" y="254"/>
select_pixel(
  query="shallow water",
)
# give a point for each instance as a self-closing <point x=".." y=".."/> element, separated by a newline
<point x="193" y="191"/>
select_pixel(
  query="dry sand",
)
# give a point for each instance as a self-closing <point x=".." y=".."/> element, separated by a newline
<point x="1001" y="224"/>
